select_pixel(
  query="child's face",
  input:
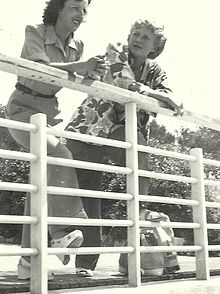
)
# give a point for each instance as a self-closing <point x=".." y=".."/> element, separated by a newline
<point x="141" y="41"/>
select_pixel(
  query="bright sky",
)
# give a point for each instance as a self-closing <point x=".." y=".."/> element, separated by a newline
<point x="191" y="56"/>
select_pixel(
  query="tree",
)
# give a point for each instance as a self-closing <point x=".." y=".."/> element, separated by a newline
<point x="162" y="139"/>
<point x="207" y="139"/>
<point x="17" y="171"/>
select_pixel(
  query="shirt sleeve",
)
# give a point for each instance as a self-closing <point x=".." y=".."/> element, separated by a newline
<point x="155" y="77"/>
<point x="79" y="49"/>
<point x="161" y="81"/>
<point x="33" y="48"/>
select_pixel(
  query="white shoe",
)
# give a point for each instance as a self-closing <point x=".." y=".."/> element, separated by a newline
<point x="71" y="240"/>
<point x="24" y="270"/>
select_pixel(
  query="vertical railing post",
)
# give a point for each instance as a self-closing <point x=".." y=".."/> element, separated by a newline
<point x="133" y="188"/>
<point x="199" y="215"/>
<point x="38" y="177"/>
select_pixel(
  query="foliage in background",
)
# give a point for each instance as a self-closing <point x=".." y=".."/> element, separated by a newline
<point x="204" y="138"/>
<point x="11" y="202"/>
<point x="209" y="140"/>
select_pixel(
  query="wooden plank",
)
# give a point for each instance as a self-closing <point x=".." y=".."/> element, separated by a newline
<point x="8" y="123"/>
<point x="11" y="251"/>
<point x="89" y="222"/>
<point x="88" y="138"/>
<point x="212" y="183"/>
<point x="118" y="249"/>
<point x="199" y="215"/>
<point x="17" y="155"/>
<point x="88" y="193"/>
<point x="39" y="231"/>
<point x="162" y="224"/>
<point x="168" y="177"/>
<point x="170" y="200"/>
<point x="212" y="204"/>
<point x="88" y="165"/>
<point x="50" y="75"/>
<point x="211" y="162"/>
<point x="134" y="276"/>
<point x="170" y="248"/>
<point x="90" y="250"/>
<point x="162" y="152"/>
<point x="17" y="219"/>
<point x="8" y="186"/>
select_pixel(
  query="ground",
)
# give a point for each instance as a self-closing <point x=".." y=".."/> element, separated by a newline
<point x="106" y="273"/>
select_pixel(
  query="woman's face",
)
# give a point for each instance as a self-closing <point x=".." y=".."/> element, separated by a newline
<point x="72" y="14"/>
<point x="141" y="41"/>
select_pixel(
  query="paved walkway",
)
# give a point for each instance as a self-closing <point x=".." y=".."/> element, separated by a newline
<point x="106" y="273"/>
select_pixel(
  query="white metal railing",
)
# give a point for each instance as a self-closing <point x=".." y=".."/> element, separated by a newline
<point x="38" y="188"/>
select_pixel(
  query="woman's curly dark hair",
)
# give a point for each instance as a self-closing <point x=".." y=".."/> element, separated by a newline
<point x="52" y="9"/>
<point x="158" y="31"/>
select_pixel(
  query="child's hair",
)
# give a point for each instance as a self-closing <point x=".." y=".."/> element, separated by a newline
<point x="158" y="32"/>
<point x="52" y="9"/>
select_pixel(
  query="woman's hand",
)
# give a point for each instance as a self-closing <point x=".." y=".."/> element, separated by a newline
<point x="94" y="67"/>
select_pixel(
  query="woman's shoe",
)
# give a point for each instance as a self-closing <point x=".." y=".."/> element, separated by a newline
<point x="71" y="240"/>
<point x="24" y="270"/>
<point x="123" y="270"/>
<point x="84" y="273"/>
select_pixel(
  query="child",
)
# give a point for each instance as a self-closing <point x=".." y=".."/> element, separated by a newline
<point x="135" y="69"/>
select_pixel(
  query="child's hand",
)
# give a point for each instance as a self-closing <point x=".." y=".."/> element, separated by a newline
<point x="123" y="82"/>
<point x="134" y="86"/>
<point x="179" y="111"/>
<point x="170" y="100"/>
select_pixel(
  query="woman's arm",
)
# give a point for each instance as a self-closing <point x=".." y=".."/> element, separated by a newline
<point x="91" y="67"/>
<point x="34" y="49"/>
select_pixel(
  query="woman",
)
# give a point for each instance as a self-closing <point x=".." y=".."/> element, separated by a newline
<point x="52" y="43"/>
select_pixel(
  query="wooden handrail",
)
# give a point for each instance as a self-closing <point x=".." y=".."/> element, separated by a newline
<point x="54" y="76"/>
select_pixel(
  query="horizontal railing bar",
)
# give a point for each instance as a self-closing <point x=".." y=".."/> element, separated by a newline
<point x="50" y="75"/>
<point x="90" y="250"/>
<point x="9" y="154"/>
<point x="211" y="162"/>
<point x="213" y="226"/>
<point x="169" y="248"/>
<point x="17" y="219"/>
<point x="89" y="222"/>
<point x="88" y="193"/>
<point x="54" y="76"/>
<point x="212" y="204"/>
<point x="88" y="165"/>
<point x="213" y="247"/>
<point x="89" y="138"/>
<point x="168" y="177"/>
<point x="162" y="224"/>
<point x="18" y="252"/>
<point x="162" y="199"/>
<point x="17" y="125"/>
<point x="162" y="152"/>
<point x="17" y="187"/>
<point x="212" y="183"/>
